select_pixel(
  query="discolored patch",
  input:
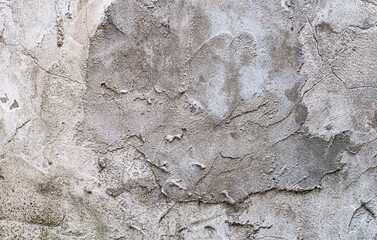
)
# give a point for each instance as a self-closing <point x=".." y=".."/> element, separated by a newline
<point x="374" y="119"/>
<point x="3" y="99"/>
<point x="14" y="105"/>
<point x="232" y="118"/>
<point x="301" y="113"/>
<point x="286" y="52"/>
<point x="324" y="27"/>
<point x="293" y="93"/>
<point x="50" y="187"/>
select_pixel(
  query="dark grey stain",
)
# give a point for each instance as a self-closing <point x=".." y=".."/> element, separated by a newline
<point x="301" y="113"/>
<point x="293" y="93"/>
<point x="14" y="105"/>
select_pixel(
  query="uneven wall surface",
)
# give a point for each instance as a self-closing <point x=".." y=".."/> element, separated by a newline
<point x="187" y="119"/>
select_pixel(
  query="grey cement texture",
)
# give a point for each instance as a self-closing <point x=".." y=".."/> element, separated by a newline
<point x="187" y="119"/>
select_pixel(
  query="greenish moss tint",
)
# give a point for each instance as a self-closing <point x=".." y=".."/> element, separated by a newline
<point x="99" y="227"/>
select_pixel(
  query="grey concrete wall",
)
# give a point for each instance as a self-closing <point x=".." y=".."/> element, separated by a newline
<point x="173" y="119"/>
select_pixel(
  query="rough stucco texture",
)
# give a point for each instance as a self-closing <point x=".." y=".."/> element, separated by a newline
<point x="173" y="119"/>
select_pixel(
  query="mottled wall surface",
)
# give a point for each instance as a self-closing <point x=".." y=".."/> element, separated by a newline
<point x="187" y="119"/>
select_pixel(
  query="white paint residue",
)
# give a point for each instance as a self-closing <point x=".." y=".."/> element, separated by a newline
<point x="228" y="198"/>
<point x="177" y="183"/>
<point x="170" y="138"/>
<point x="201" y="165"/>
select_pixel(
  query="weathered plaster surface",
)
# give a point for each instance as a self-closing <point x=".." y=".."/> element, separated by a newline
<point x="160" y="119"/>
